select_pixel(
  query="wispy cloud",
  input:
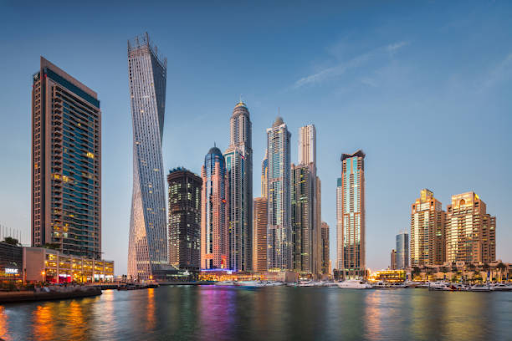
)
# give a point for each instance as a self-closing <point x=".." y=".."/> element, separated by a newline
<point x="392" y="48"/>
<point x="342" y="67"/>
<point x="369" y="82"/>
<point x="499" y="73"/>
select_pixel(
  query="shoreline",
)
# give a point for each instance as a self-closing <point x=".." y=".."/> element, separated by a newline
<point x="32" y="296"/>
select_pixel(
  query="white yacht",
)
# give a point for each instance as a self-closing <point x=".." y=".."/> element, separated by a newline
<point x="354" y="284"/>
<point x="480" y="288"/>
<point x="501" y="287"/>
<point x="226" y="283"/>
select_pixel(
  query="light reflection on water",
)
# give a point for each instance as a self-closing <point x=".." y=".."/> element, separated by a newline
<point x="278" y="313"/>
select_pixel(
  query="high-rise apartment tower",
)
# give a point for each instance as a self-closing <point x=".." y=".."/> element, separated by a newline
<point x="66" y="163"/>
<point x="353" y="256"/>
<point x="279" y="248"/>
<point x="238" y="158"/>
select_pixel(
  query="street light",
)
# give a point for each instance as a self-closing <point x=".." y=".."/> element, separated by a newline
<point x="43" y="273"/>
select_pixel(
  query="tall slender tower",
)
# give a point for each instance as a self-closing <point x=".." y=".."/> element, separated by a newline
<point x="214" y="212"/>
<point x="307" y="145"/>
<point x="339" y="226"/>
<point x="303" y="217"/>
<point x="279" y="250"/>
<point x="148" y="234"/>
<point x="306" y="218"/>
<point x="427" y="231"/>
<point x="66" y="163"/>
<point x="353" y="256"/>
<point x="470" y="230"/>
<point x="239" y="169"/>
<point x="264" y="176"/>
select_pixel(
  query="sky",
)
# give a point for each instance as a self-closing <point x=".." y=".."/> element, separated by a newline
<point x="424" y="88"/>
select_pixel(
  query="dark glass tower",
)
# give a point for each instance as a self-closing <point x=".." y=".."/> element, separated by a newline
<point x="184" y="219"/>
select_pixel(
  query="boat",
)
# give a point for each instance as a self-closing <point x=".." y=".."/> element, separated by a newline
<point x="380" y="285"/>
<point x="439" y="286"/>
<point x="250" y="284"/>
<point x="226" y="283"/>
<point x="501" y="287"/>
<point x="354" y="284"/>
<point x="480" y="288"/>
<point x="274" y="284"/>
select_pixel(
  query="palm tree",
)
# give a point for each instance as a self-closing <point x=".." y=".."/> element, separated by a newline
<point x="500" y="268"/>
<point x="486" y="268"/>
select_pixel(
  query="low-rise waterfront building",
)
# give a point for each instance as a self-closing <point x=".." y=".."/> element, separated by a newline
<point x="11" y="262"/>
<point x="390" y="276"/>
<point x="46" y="265"/>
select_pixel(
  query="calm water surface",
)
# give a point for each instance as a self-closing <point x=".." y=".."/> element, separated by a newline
<point x="278" y="313"/>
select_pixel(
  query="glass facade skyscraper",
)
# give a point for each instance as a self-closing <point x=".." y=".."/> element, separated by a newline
<point x="303" y="217"/>
<point x="66" y="163"/>
<point x="184" y="219"/>
<point x="147" y="252"/>
<point x="339" y="226"/>
<point x="402" y="250"/>
<point x="279" y="230"/>
<point x="238" y="158"/>
<point x="214" y="212"/>
<point x="353" y="257"/>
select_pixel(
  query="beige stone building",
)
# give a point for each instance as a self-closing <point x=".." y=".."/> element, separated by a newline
<point x="427" y="244"/>
<point x="470" y="231"/>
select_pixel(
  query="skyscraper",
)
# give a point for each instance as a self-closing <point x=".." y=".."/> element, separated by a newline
<point x="307" y="145"/>
<point x="353" y="256"/>
<point x="279" y="251"/>
<point x="214" y="212"/>
<point x="260" y="235"/>
<point x="66" y="163"/>
<point x="303" y="217"/>
<point x="470" y="230"/>
<point x="147" y="251"/>
<point x="402" y="250"/>
<point x="238" y="158"/>
<point x="339" y="225"/>
<point x="427" y="231"/>
<point x="326" y="259"/>
<point x="264" y="176"/>
<point x="184" y="219"/>
<point x="393" y="260"/>
<point x="306" y="217"/>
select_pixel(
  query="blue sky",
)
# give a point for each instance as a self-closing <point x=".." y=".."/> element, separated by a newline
<point x="423" y="88"/>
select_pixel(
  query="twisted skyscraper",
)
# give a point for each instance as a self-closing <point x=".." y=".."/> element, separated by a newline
<point x="148" y="234"/>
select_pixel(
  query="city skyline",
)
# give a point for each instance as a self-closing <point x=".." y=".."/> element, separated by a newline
<point x="303" y="78"/>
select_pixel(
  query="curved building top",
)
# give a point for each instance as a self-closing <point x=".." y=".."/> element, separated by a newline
<point x="240" y="109"/>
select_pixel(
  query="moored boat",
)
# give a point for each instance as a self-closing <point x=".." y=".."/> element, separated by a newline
<point x="354" y="284"/>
